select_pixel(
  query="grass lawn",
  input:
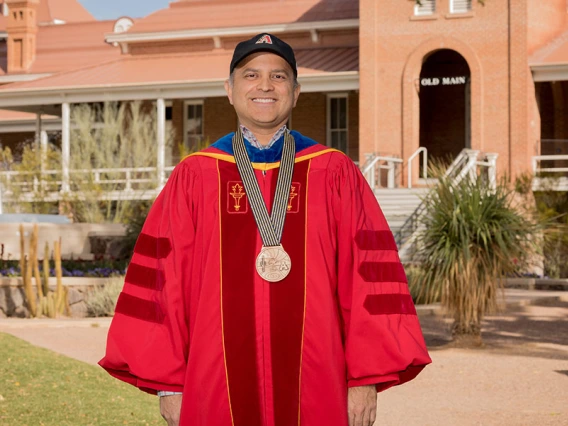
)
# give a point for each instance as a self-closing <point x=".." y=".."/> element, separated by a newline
<point x="39" y="387"/>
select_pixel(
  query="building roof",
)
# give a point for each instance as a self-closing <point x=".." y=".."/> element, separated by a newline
<point x="190" y="67"/>
<point x="7" y="115"/>
<point x="70" y="46"/>
<point x="183" y="15"/>
<point x="50" y="11"/>
<point x="554" y="53"/>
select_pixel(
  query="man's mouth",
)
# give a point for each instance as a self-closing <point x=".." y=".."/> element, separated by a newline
<point x="264" y="100"/>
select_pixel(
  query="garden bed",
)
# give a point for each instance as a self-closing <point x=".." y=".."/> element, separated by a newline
<point x="12" y="296"/>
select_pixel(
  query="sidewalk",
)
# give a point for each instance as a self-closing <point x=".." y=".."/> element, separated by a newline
<point x="519" y="378"/>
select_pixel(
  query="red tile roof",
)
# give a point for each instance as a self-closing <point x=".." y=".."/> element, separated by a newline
<point x="71" y="46"/>
<point x="183" y="15"/>
<point x="145" y="70"/>
<point x="68" y="11"/>
<point x="64" y="10"/>
<point x="555" y="52"/>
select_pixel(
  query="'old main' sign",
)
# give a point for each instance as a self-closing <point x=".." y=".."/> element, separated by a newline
<point x="445" y="81"/>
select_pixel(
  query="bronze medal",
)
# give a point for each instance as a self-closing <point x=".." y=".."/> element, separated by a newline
<point x="273" y="264"/>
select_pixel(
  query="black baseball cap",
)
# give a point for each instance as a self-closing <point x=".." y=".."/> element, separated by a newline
<point x="264" y="43"/>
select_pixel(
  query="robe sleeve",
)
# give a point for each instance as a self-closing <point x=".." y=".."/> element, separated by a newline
<point x="148" y="339"/>
<point x="384" y="345"/>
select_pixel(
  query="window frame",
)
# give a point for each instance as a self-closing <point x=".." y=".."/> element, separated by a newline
<point x="329" y="130"/>
<point x="454" y="12"/>
<point x="417" y="9"/>
<point x="186" y="104"/>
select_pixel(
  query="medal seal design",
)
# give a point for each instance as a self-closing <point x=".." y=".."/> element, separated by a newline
<point x="273" y="264"/>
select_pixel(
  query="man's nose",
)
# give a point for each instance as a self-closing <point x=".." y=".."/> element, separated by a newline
<point x="265" y="84"/>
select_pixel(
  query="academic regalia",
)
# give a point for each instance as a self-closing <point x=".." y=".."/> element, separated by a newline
<point x="195" y="317"/>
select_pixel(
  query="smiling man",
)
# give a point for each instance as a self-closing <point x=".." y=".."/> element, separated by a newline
<point x="265" y="288"/>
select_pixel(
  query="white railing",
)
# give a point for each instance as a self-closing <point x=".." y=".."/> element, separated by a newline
<point x="374" y="167"/>
<point x="116" y="182"/>
<point x="556" y="177"/>
<point x="420" y="150"/>
<point x="464" y="166"/>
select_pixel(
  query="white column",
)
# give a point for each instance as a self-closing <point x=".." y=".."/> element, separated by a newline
<point x="161" y="164"/>
<point x="38" y="129"/>
<point x="43" y="141"/>
<point x="492" y="172"/>
<point x="65" y="144"/>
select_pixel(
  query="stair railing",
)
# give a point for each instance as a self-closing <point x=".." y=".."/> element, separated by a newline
<point x="464" y="165"/>
<point x="420" y="150"/>
<point x="372" y="170"/>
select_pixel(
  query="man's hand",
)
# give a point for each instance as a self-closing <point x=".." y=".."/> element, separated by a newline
<point x="170" y="408"/>
<point x="362" y="405"/>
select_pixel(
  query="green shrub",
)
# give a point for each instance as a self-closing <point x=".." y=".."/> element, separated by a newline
<point x="472" y="237"/>
<point x="101" y="301"/>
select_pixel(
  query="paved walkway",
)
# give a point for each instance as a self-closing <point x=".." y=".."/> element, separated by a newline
<point x="520" y="376"/>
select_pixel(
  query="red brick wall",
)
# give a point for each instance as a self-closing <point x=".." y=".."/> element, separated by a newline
<point x="309" y="116"/>
<point x="394" y="43"/>
<point x="354" y="125"/>
<point x="547" y="19"/>
<point x="219" y="118"/>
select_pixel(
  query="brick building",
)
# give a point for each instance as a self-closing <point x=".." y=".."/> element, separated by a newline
<point x="454" y="74"/>
<point x="384" y="77"/>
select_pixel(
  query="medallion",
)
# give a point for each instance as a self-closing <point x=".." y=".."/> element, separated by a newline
<point x="273" y="264"/>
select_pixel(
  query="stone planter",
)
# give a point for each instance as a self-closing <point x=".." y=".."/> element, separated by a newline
<point x="12" y="295"/>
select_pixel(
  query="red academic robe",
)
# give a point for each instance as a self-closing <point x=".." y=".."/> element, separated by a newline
<point x="195" y="317"/>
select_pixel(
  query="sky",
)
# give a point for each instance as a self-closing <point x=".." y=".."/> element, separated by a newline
<point x="112" y="9"/>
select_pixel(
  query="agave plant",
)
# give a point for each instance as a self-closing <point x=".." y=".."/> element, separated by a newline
<point x="472" y="237"/>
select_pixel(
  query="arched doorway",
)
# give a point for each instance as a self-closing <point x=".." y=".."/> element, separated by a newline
<point x="445" y="104"/>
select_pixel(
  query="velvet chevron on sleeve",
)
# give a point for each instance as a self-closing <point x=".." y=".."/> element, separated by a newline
<point x="148" y="341"/>
<point x="196" y="317"/>
<point x="383" y="339"/>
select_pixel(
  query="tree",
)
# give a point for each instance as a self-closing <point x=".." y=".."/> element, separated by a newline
<point x="472" y="237"/>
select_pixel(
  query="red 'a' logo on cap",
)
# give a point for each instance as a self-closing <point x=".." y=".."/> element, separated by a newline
<point x="264" y="39"/>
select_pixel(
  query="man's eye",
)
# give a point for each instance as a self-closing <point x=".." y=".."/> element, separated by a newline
<point x="280" y="77"/>
<point x="250" y="75"/>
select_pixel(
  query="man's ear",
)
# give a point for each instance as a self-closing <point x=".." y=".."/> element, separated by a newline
<point x="229" y="90"/>
<point x="297" y="91"/>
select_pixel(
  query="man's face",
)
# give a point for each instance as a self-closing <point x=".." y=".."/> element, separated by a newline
<point x="263" y="91"/>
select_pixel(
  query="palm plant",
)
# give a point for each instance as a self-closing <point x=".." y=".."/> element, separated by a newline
<point x="472" y="237"/>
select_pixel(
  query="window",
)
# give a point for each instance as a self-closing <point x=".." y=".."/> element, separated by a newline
<point x="193" y="125"/>
<point x="337" y="122"/>
<point x="425" y="7"/>
<point x="460" y="6"/>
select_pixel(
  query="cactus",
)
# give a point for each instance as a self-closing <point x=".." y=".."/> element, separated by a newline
<point x="59" y="293"/>
<point x="26" y="273"/>
<point x="45" y="271"/>
<point x="50" y="306"/>
<point x="30" y="295"/>
<point x="22" y="250"/>
<point x="35" y="264"/>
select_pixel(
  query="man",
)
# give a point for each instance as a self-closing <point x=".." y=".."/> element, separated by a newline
<point x="265" y="287"/>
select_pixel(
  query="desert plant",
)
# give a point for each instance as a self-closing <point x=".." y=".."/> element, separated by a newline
<point x="45" y="302"/>
<point x="38" y="174"/>
<point x="550" y="208"/>
<point x="26" y="271"/>
<point x="127" y="140"/>
<point x="101" y="301"/>
<point x="471" y="238"/>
